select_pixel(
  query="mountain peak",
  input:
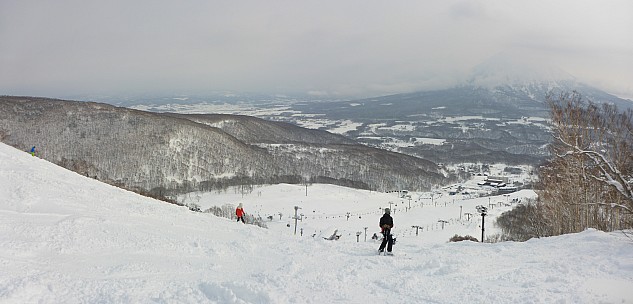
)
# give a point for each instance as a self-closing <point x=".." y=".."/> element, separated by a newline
<point x="514" y="69"/>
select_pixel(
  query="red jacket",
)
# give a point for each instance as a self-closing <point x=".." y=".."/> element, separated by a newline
<point x="239" y="212"/>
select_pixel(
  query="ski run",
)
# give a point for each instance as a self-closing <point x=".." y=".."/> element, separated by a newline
<point x="65" y="238"/>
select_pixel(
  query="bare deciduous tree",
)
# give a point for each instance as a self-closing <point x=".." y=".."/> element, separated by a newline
<point x="589" y="180"/>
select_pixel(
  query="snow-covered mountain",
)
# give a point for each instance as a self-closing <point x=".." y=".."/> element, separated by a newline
<point x="515" y="77"/>
<point x="503" y="69"/>
<point x="66" y="238"/>
<point x="485" y="119"/>
<point x="505" y="85"/>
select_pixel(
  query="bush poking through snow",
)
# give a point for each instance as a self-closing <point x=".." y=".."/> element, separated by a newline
<point x="459" y="238"/>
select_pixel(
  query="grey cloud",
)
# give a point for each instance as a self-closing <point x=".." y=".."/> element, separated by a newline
<point x="351" y="48"/>
<point x="468" y="9"/>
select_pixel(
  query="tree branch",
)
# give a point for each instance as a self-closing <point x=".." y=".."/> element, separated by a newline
<point x="614" y="176"/>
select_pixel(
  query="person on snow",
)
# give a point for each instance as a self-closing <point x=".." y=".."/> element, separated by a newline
<point x="386" y="223"/>
<point x="240" y="213"/>
<point x="33" y="151"/>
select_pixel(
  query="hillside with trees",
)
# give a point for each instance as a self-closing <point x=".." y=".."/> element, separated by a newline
<point x="166" y="153"/>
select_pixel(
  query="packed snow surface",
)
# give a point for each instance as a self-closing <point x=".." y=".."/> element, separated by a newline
<point x="65" y="238"/>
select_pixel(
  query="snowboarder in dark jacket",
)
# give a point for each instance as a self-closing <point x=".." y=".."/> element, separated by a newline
<point x="386" y="223"/>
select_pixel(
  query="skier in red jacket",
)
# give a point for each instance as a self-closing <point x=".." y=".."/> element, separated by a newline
<point x="240" y="213"/>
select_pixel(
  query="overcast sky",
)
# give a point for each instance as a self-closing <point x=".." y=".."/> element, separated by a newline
<point x="339" y="48"/>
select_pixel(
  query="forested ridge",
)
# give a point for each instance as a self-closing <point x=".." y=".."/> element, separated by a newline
<point x="170" y="153"/>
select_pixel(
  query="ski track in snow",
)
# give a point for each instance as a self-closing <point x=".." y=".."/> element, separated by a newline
<point x="65" y="238"/>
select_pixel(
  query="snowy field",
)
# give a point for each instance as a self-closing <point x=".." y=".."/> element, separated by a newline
<point x="65" y="238"/>
<point x="225" y="108"/>
<point x="391" y="137"/>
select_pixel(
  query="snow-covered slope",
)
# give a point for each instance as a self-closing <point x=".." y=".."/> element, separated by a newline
<point x="65" y="238"/>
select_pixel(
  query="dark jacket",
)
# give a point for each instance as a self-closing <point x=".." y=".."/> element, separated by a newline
<point x="386" y="220"/>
